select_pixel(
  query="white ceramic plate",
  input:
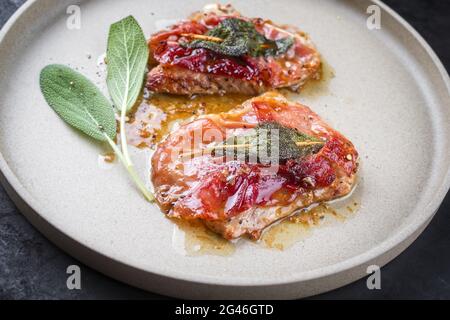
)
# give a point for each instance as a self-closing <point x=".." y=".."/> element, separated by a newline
<point x="390" y="96"/>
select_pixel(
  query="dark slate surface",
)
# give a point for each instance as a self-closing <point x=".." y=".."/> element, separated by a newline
<point x="33" y="268"/>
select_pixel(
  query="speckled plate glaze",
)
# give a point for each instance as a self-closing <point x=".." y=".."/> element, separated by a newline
<point x="390" y="96"/>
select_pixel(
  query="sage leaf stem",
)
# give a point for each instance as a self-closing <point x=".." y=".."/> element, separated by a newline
<point x="127" y="56"/>
<point x="131" y="171"/>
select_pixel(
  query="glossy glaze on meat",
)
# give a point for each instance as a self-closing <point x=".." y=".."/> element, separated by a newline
<point x="180" y="70"/>
<point x="234" y="197"/>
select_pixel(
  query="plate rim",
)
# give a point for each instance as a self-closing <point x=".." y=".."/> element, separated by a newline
<point x="22" y="198"/>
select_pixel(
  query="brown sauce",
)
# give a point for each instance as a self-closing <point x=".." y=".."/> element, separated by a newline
<point x="193" y="238"/>
<point x="316" y="88"/>
<point x="155" y="116"/>
<point x="300" y="226"/>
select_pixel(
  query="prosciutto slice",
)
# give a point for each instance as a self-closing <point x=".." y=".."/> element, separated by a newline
<point x="177" y="69"/>
<point x="235" y="197"/>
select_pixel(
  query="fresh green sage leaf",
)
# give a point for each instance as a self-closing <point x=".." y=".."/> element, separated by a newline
<point x="78" y="101"/>
<point x="126" y="56"/>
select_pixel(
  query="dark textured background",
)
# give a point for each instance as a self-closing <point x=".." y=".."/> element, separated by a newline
<point x="33" y="268"/>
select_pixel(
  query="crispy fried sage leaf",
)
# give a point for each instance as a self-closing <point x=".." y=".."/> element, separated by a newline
<point x="259" y="144"/>
<point x="239" y="37"/>
<point x="279" y="46"/>
<point x="78" y="101"/>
